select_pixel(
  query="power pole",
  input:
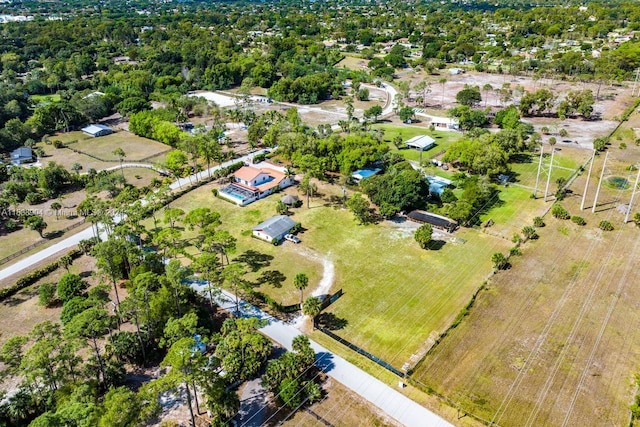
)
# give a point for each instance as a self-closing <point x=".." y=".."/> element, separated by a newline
<point x="535" y="190"/>
<point x="635" y="83"/>
<point x="546" y="190"/>
<point x="633" y="193"/>
<point x="595" y="201"/>
<point x="586" y="185"/>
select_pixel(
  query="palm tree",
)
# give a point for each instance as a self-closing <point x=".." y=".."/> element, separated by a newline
<point x="56" y="206"/>
<point x="442" y="81"/>
<point x="487" y="88"/>
<point x="120" y="154"/>
<point x="301" y="281"/>
<point x="312" y="307"/>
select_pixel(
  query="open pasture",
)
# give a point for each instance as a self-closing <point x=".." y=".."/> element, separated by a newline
<point x="554" y="339"/>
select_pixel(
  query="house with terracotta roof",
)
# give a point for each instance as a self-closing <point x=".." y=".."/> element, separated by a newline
<point x="251" y="183"/>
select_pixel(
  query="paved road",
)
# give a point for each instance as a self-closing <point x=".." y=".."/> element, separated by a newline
<point x="88" y="233"/>
<point x="253" y="404"/>
<point x="391" y="96"/>
<point x="393" y="403"/>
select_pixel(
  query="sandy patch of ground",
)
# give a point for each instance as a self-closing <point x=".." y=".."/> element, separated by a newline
<point x="612" y="98"/>
<point x="323" y="287"/>
<point x="219" y="99"/>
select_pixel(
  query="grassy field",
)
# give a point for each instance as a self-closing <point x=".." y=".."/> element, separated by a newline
<point x="140" y="177"/>
<point x="19" y="239"/>
<point x="396" y="295"/>
<point x="70" y="137"/>
<point x="443" y="139"/>
<point x="352" y="63"/>
<point x="565" y="162"/>
<point x="135" y="148"/>
<point x="555" y="338"/>
<point x="514" y="210"/>
<point x="429" y="401"/>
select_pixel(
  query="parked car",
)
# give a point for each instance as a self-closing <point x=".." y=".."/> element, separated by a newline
<point x="291" y="238"/>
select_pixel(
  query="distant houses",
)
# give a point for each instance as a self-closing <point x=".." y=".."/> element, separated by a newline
<point x="97" y="130"/>
<point x="21" y="155"/>
<point x="421" y="142"/>
<point x="274" y="229"/>
<point x="251" y="183"/>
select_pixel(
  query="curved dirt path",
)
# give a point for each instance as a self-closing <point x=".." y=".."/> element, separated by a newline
<point x="324" y="285"/>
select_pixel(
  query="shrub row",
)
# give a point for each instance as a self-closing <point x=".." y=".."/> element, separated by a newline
<point x="258" y="298"/>
<point x="34" y="276"/>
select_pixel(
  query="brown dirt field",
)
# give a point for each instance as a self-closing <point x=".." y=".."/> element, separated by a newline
<point x="15" y="241"/>
<point x="613" y="99"/>
<point x="554" y="339"/>
<point x="140" y="177"/>
<point x="581" y="132"/>
<point x="341" y="407"/>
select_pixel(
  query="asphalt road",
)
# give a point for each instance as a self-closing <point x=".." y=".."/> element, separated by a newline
<point x="393" y="403"/>
<point x="88" y="233"/>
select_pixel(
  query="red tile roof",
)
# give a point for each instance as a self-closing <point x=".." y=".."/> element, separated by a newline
<point x="247" y="173"/>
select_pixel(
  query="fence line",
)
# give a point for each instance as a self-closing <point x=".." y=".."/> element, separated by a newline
<point x="38" y="243"/>
<point x="362" y="351"/>
<point x="144" y="160"/>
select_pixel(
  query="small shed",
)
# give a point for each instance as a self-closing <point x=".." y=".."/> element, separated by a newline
<point x="435" y="220"/>
<point x="274" y="228"/>
<point x="21" y="155"/>
<point x="97" y="130"/>
<point x="421" y="142"/>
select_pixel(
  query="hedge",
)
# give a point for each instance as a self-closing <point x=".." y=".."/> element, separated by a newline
<point x="35" y="275"/>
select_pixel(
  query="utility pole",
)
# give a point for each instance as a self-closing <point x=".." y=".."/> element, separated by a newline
<point x="633" y="193"/>
<point x="546" y="190"/>
<point x="535" y="190"/>
<point x="595" y="201"/>
<point x="586" y="185"/>
<point x="635" y="82"/>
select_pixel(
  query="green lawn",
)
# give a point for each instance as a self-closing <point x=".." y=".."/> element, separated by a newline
<point x="396" y="295"/>
<point x="514" y="210"/>
<point x="443" y="139"/>
<point x="287" y="258"/>
<point x="135" y="147"/>
<point x="45" y="99"/>
<point x="70" y="137"/>
<point x="563" y="166"/>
